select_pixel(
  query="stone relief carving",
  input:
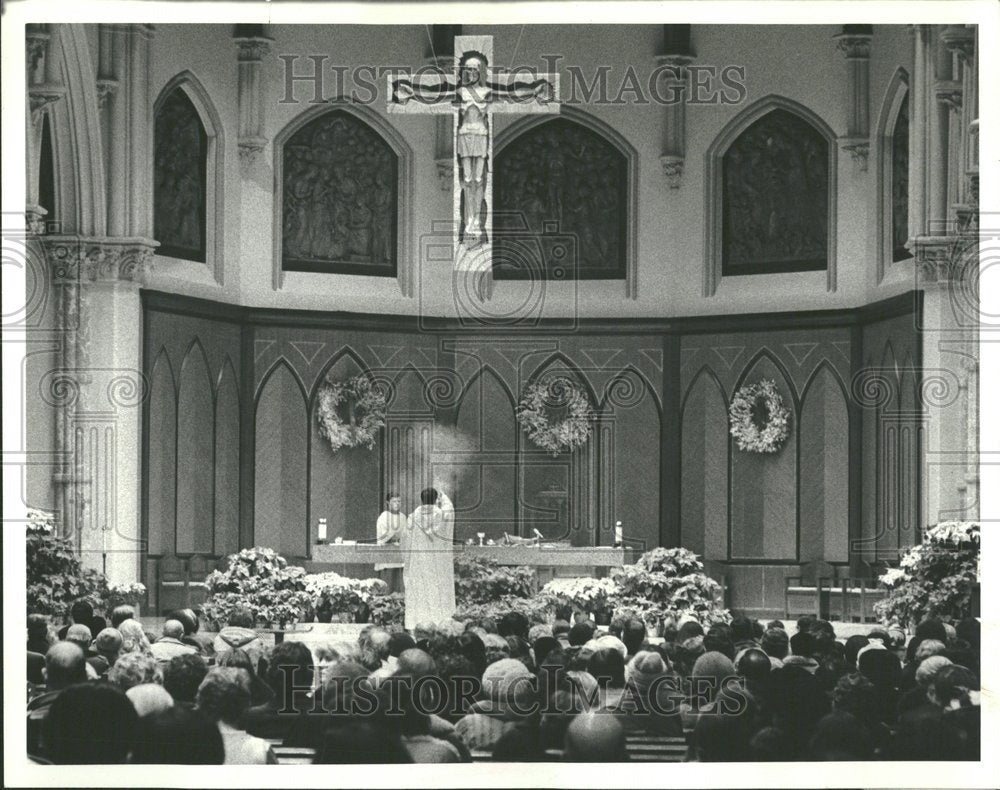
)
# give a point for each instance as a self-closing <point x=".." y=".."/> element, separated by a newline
<point x="339" y="197"/>
<point x="775" y="182"/>
<point x="563" y="179"/>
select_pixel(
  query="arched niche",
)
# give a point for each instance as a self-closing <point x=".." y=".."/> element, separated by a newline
<point x="629" y="490"/>
<point x="824" y="461"/>
<point x="281" y="464"/>
<point x="705" y="468"/>
<point x="481" y="449"/>
<point x="195" y="455"/>
<point x="892" y="154"/>
<point x="764" y="488"/>
<point x="161" y="459"/>
<point x="227" y="462"/>
<point x="344" y="485"/>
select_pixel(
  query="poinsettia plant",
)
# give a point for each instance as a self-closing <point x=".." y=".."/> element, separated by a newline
<point x="483" y="580"/>
<point x="935" y="577"/>
<point x="536" y="609"/>
<point x="334" y="594"/>
<point x="55" y="576"/>
<point x="388" y="609"/>
<point x="584" y="593"/>
<point x="261" y="581"/>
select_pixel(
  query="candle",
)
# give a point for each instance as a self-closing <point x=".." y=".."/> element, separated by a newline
<point x="321" y="531"/>
<point x="619" y="536"/>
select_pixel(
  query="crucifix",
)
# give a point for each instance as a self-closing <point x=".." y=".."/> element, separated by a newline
<point x="473" y="93"/>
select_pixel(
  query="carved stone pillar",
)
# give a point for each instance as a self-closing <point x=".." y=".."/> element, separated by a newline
<point x="43" y="90"/>
<point x="855" y="43"/>
<point x="673" y="62"/>
<point x="252" y="47"/>
<point x="963" y="131"/>
<point x="96" y="393"/>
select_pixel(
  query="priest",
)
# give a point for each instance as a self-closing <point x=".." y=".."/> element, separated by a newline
<point x="428" y="562"/>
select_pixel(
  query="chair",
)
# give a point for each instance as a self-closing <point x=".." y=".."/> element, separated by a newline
<point x="809" y="591"/>
<point x="651" y="747"/>
<point x="171" y="584"/>
<point x="199" y="566"/>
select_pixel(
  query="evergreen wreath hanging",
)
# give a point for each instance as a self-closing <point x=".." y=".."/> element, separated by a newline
<point x="571" y="431"/>
<point x="363" y="404"/>
<point x="758" y="419"/>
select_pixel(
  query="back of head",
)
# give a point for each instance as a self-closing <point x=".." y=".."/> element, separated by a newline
<point x="542" y="646"/>
<point x="149" y="698"/>
<point x="65" y="664"/>
<point x="90" y="723"/>
<point x="804" y="622"/>
<point x="953" y="686"/>
<point x="79" y="634"/>
<point x="968" y="631"/>
<point x="428" y="496"/>
<point x="841" y="736"/>
<point x="595" y="738"/>
<point x="224" y="695"/>
<point x="742" y="628"/>
<point x="720" y="738"/>
<point x="359" y="743"/>
<point x="183" y="674"/>
<point x="754" y="665"/>
<point x="928" y="648"/>
<point x="38" y="625"/>
<point x="400" y="641"/>
<point x="290" y="665"/>
<point x="122" y="613"/>
<point x="134" y="669"/>
<point x="774" y="642"/>
<point x="513" y="624"/>
<point x="719" y="640"/>
<point x="415" y="663"/>
<point x="881" y="667"/>
<point x="519" y="745"/>
<point x="178" y="736"/>
<point x="173" y="629"/>
<point x="633" y="634"/>
<point x="341" y="682"/>
<point x="241" y="618"/>
<point x="801" y="643"/>
<point x="580" y="633"/>
<point x="607" y="667"/>
<point x="851" y="648"/>
<point x="539" y="630"/>
<point x="689" y="629"/>
<point x="710" y="673"/>
<point x="188" y="619"/>
<point x="929" y="668"/>
<point x="797" y="701"/>
<point x="561" y="627"/>
<point x="82" y="612"/>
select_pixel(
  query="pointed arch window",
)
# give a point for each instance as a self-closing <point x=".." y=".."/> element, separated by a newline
<point x="899" y="179"/>
<point x="180" y="195"/>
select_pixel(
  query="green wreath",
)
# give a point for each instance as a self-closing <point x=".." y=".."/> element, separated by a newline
<point x="758" y="419"/>
<point x="533" y="414"/>
<point x="365" y="404"/>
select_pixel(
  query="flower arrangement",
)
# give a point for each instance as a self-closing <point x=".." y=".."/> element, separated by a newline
<point x="333" y="594"/>
<point x="260" y="580"/>
<point x="571" y="431"/>
<point x="55" y="576"/>
<point x="935" y="577"/>
<point x="129" y="593"/>
<point x="387" y="610"/>
<point x="668" y="583"/>
<point x="365" y="404"/>
<point x="758" y="418"/>
<point x="480" y="580"/>
<point x="537" y="609"/>
<point x="585" y="593"/>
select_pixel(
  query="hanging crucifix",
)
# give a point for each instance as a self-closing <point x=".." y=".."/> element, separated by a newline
<point x="473" y="93"/>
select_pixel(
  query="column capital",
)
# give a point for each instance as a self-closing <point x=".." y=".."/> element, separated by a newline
<point x="252" y="48"/>
<point x="674" y="59"/>
<point x="858" y="148"/>
<point x="855" y="46"/>
<point x="944" y="259"/>
<point x="80" y="259"/>
<point x="949" y="92"/>
<point x="960" y="39"/>
<point x="673" y="169"/>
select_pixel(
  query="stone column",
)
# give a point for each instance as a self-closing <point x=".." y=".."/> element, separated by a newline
<point x="97" y="393"/>
<point x="855" y="43"/>
<point x="673" y="61"/>
<point x="252" y="46"/>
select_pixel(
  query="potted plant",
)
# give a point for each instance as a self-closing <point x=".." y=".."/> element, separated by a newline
<point x="261" y="581"/>
<point x="55" y="577"/>
<point x="584" y="594"/>
<point x="342" y="597"/>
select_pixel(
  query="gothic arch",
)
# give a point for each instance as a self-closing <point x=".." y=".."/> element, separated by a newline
<point x="893" y="99"/>
<point x="76" y="137"/>
<point x="479" y="375"/>
<point x="623" y="147"/>
<point x="713" y="184"/>
<point x="215" y="169"/>
<point x="558" y="358"/>
<point x="404" y="184"/>
<point x="765" y="353"/>
<point x="344" y="353"/>
<point x="620" y="378"/>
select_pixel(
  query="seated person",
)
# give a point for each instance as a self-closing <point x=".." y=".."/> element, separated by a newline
<point x="224" y="697"/>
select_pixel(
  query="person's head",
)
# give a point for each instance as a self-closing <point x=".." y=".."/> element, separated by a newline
<point x="188" y="619"/>
<point x="149" y="698"/>
<point x="134" y="639"/>
<point x="134" y="669"/>
<point x="173" y="629"/>
<point x="881" y="667"/>
<point x="561" y="629"/>
<point x="689" y="629"/>
<point x="851" y="647"/>
<point x="633" y="634"/>
<point x="241" y="618"/>
<point x="235" y="659"/>
<point x="805" y="622"/>
<point x="521" y="650"/>
<point x="38" y="626"/>
<point x="122" y="613"/>
<point x="581" y="633"/>
<point x="968" y="631"/>
<point x="802" y="643"/>
<point x="82" y="612"/>
<point x="519" y="745"/>
<point x="429" y="496"/>
<point x="542" y="646"/>
<point x="755" y="666"/>
<point x="108" y="644"/>
<point x="796" y="700"/>
<point x="954" y="687"/>
<point x="224" y="695"/>
<point x="687" y="653"/>
<point x="79" y="634"/>
<point x="710" y="674"/>
<point x="510" y="685"/>
<point x="607" y="667"/>
<point x="374" y="647"/>
<point x="594" y="738"/>
<point x="289" y="667"/>
<point x="342" y="682"/>
<point x="720" y="738"/>
<point x="776" y="624"/>
<point x="771" y="745"/>
<point x="928" y="648"/>
<point x="841" y="736"/>
<point x="393" y="501"/>
<point x="775" y="642"/>
<point x="182" y="676"/>
<point x="400" y="641"/>
<point x="853" y="693"/>
<point x="719" y="640"/>
<point x="360" y="742"/>
<point x="177" y="736"/>
<point x="513" y="624"/>
<point x="65" y="664"/>
<point x="539" y="630"/>
<point x="644" y="669"/>
<point x="929" y="668"/>
<point x="742" y="629"/>
<point x="90" y="723"/>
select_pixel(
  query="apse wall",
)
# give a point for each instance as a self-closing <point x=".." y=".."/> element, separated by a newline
<point x="234" y="456"/>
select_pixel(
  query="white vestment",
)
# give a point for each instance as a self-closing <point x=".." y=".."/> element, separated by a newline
<point x="428" y="564"/>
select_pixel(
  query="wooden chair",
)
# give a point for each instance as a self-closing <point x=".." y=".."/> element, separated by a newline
<point x="171" y="584"/>
<point x="199" y="566"/>
<point x="809" y="591"/>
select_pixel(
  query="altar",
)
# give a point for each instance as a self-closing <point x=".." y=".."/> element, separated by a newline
<point x="550" y="561"/>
